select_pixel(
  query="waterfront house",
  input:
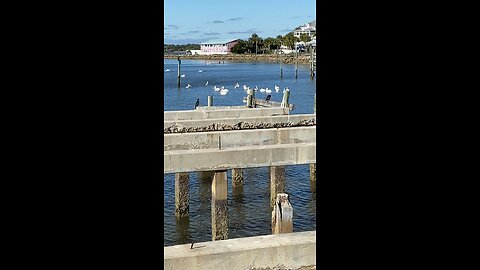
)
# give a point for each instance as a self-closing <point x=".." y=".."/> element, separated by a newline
<point x="309" y="29"/>
<point x="218" y="46"/>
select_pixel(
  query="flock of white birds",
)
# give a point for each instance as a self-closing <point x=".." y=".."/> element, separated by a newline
<point x="223" y="91"/>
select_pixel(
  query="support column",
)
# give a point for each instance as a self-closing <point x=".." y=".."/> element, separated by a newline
<point x="313" y="172"/>
<point x="181" y="194"/>
<point x="282" y="215"/>
<point x="219" y="206"/>
<point x="237" y="177"/>
<point x="277" y="182"/>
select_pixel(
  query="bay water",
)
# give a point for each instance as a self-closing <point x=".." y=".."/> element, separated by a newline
<point x="249" y="210"/>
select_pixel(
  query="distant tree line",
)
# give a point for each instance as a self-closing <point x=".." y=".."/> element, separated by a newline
<point x="256" y="44"/>
<point x="184" y="47"/>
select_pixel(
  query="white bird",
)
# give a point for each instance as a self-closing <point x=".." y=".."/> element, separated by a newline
<point x="262" y="90"/>
<point x="206" y="83"/>
<point x="286" y="89"/>
<point x="245" y="87"/>
<point x="216" y="88"/>
<point x="223" y="92"/>
<point x="256" y="88"/>
<point x="188" y="85"/>
<point x="183" y="75"/>
<point x="277" y="88"/>
<point x="268" y="91"/>
<point x="167" y="70"/>
<point x="200" y="70"/>
<point x="237" y="85"/>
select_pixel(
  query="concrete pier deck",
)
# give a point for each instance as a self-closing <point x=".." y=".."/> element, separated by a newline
<point x="290" y="250"/>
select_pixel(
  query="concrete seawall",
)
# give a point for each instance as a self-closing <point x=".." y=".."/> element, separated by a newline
<point x="291" y="250"/>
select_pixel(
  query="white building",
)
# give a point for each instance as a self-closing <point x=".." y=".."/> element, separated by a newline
<point x="218" y="46"/>
<point x="309" y="28"/>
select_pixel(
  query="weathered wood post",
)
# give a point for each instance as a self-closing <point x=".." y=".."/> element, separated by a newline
<point x="210" y="101"/>
<point x="249" y="98"/>
<point x="182" y="194"/>
<point x="219" y="206"/>
<point x="286" y="95"/>
<point x="277" y="182"/>
<point x="178" y="75"/>
<point x="282" y="215"/>
<point x="313" y="172"/>
<point x="281" y="65"/>
<point x="296" y="63"/>
<point x="237" y="177"/>
<point x="311" y="64"/>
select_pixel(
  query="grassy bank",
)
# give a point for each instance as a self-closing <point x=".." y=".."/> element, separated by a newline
<point x="287" y="59"/>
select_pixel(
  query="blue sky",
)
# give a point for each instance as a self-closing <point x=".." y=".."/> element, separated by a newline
<point x="195" y="21"/>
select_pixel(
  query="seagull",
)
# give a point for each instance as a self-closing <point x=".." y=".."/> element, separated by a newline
<point x="237" y="85"/>
<point x="197" y="103"/>
<point x="245" y="87"/>
<point x="188" y="85"/>
<point x="183" y="75"/>
<point x="277" y="88"/>
<point x="200" y="70"/>
<point x="268" y="91"/>
<point x="206" y="83"/>
<point x="216" y="88"/>
<point x="256" y="88"/>
<point x="167" y="70"/>
<point x="268" y="97"/>
<point x="262" y="90"/>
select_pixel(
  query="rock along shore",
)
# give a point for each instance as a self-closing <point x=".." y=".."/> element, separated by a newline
<point x="287" y="59"/>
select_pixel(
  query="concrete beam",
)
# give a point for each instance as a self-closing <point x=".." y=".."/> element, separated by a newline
<point x="238" y="157"/>
<point x="290" y="250"/>
<point x="222" y="113"/>
<point x="238" y="138"/>
<point x="294" y="118"/>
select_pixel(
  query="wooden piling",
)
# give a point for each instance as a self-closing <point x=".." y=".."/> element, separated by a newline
<point x="277" y="182"/>
<point x="219" y="206"/>
<point x="281" y="66"/>
<point x="296" y="64"/>
<point x="210" y="101"/>
<point x="182" y="194"/>
<point x="282" y="215"/>
<point x="178" y="75"/>
<point x="313" y="172"/>
<point x="286" y="95"/>
<point x="237" y="177"/>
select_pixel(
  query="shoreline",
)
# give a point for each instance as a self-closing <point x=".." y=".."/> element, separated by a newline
<point x="271" y="58"/>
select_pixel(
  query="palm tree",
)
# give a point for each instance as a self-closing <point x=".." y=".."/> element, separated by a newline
<point x="254" y="40"/>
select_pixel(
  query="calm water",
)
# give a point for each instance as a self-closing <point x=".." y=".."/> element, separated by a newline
<point x="249" y="210"/>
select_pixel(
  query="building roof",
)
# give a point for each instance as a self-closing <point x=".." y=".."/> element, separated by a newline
<point x="218" y="41"/>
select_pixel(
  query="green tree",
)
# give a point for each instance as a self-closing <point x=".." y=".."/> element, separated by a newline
<point x="305" y="38"/>
<point x="289" y="40"/>
<point x="268" y="43"/>
<point x="255" y="39"/>
<point x="240" y="47"/>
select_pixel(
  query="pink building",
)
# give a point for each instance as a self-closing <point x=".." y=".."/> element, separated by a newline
<point x="217" y="46"/>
